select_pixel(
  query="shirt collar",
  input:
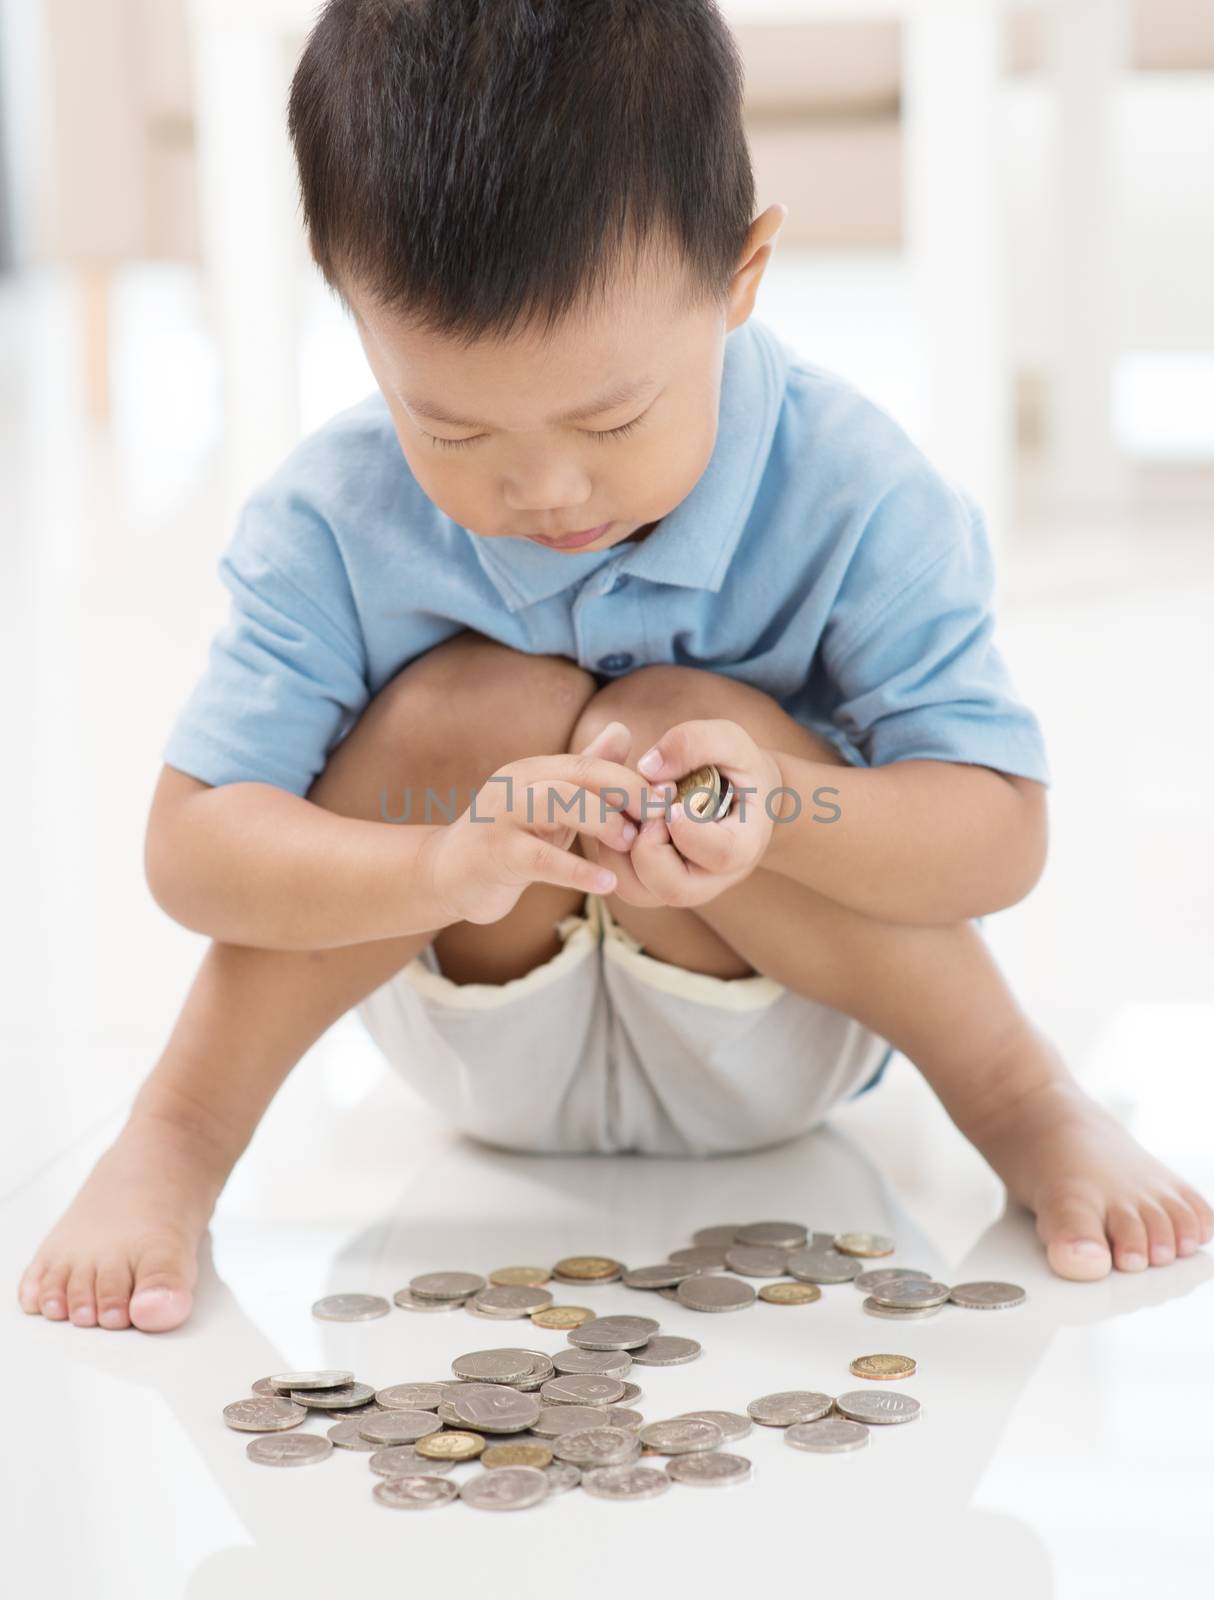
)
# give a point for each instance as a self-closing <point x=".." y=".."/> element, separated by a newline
<point x="692" y="545"/>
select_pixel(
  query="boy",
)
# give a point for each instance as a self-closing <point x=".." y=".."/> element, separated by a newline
<point x="541" y="215"/>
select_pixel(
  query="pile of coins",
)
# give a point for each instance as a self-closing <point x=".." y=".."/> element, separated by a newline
<point x="540" y="1425"/>
<point x="705" y="794"/>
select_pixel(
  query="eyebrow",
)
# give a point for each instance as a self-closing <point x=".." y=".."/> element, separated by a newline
<point x="605" y="402"/>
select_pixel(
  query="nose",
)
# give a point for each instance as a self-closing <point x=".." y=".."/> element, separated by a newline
<point x="547" y="485"/>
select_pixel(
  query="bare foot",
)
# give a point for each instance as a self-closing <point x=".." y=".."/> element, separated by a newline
<point x="1100" y="1199"/>
<point x="125" y="1251"/>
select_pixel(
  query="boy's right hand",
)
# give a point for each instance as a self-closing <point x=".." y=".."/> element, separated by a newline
<point x="480" y="864"/>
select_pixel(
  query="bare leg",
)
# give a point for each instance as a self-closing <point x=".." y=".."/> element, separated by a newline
<point x="125" y="1250"/>
<point x="936" y="994"/>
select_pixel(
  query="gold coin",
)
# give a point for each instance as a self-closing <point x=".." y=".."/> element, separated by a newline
<point x="453" y="1446"/>
<point x="703" y="778"/>
<point x="563" y="1316"/>
<point x="517" y="1455"/>
<point x="883" y="1367"/>
<point x="864" y="1244"/>
<point x="588" y="1269"/>
<point x="790" y="1294"/>
<point x="520" y="1277"/>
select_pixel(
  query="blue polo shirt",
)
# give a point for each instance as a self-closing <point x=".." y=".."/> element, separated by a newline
<point x="820" y="557"/>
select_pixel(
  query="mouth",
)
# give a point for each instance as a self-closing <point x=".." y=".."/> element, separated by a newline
<point x="572" y="541"/>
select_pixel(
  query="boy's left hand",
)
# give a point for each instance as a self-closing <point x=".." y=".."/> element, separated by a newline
<point x="691" y="862"/>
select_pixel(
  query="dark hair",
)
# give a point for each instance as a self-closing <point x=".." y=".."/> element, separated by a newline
<point x="476" y="164"/>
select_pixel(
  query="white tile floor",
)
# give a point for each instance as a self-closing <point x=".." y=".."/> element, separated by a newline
<point x="1040" y="1425"/>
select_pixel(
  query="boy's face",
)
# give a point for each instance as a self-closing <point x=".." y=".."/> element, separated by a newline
<point x="518" y="463"/>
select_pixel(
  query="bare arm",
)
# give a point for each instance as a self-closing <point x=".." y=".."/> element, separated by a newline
<point x="926" y="842"/>
<point x="251" y="864"/>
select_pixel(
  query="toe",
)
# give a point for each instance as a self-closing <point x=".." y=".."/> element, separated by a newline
<point x="1161" y="1236"/>
<point x="27" y="1289"/>
<point x="1128" y="1234"/>
<point x="1202" y="1211"/>
<point x="114" y="1294"/>
<point x="81" y="1305"/>
<point x="1072" y="1228"/>
<point x="52" y="1293"/>
<point x="1184" y="1223"/>
<point x="162" y="1290"/>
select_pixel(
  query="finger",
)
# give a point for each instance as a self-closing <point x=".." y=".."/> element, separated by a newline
<point x="627" y="886"/>
<point x="660" y="868"/>
<point x="692" y="744"/>
<point x="610" y="785"/>
<point x="543" y="862"/>
<point x="709" y="844"/>
<point x="551" y="810"/>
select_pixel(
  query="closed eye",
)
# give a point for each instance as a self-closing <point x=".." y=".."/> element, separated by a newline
<point x="621" y="432"/>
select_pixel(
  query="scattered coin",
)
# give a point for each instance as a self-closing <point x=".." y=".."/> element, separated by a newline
<point x="506" y="1489"/>
<point x="408" y="1301"/>
<point x="715" y="1468"/>
<point x="562" y="1476"/>
<point x="288" y="1449"/>
<point x="582" y="1389"/>
<point x="417" y="1493"/>
<point x="733" y="1424"/>
<point x="814" y="1265"/>
<point x="625" y="1483"/>
<point x="446" y="1285"/>
<point x="986" y="1295"/>
<point x="517" y="1455"/>
<point x="453" y="1446"/>
<point x="410" y="1396"/>
<point x="715" y="1293"/>
<point x="831" y="1436"/>
<point x="310" y="1380"/>
<point x="264" y="1386"/>
<point x="783" y="1235"/>
<point x="513" y="1299"/>
<point x="562" y="1317"/>
<point x="667" y="1350"/>
<point x="350" y="1307"/>
<point x="554" y="1421"/>
<point x="911" y="1293"/>
<point x="719" y="1236"/>
<point x="494" y="1366"/>
<point x="402" y="1460"/>
<point x="790" y="1294"/>
<point x="609" y="1363"/>
<point x="492" y="1407"/>
<point x="663" y="1276"/>
<point x="613" y="1333"/>
<point x="868" y="1281"/>
<point x="588" y="1269"/>
<point x="883" y="1367"/>
<point x="681" y="1435"/>
<point x="756" y="1260"/>
<point x="864" y="1244"/>
<point x="597" y="1447"/>
<point x="704" y="1258"/>
<point x="787" y="1406"/>
<point x="399" y="1427"/>
<point x="873" y="1406"/>
<point x="263" y="1415"/>
<point x="902" y="1313"/>
<point x="345" y="1436"/>
<point x="530" y="1277"/>
<point x="342" y="1398"/>
<point x="621" y="1416"/>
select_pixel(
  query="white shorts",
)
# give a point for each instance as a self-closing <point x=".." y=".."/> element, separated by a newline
<point x="603" y="1048"/>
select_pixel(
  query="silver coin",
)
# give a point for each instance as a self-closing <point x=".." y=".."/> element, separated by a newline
<point x="703" y="1293"/>
<point x="783" y="1235"/>
<point x="408" y="1301"/>
<point x="662" y="1276"/>
<point x="398" y="1427"/>
<point x="878" y="1405"/>
<point x="868" y="1281"/>
<point x="912" y="1293"/>
<point x="343" y="1398"/>
<point x="670" y="1294"/>
<point x="492" y="1408"/>
<point x="822" y="1266"/>
<point x="402" y="1461"/>
<point x="719" y="1237"/>
<point x="782" y="1409"/>
<point x="264" y="1386"/>
<point x="987" y="1295"/>
<point x="288" y="1449"/>
<point x="285" y="1381"/>
<point x="350" y="1307"/>
<point x="610" y="1363"/>
<point x="901" y="1314"/>
<point x="733" y="1424"/>
<point x="562" y="1476"/>
<point x="632" y="1393"/>
<point x="512" y="1299"/>
<point x="667" y="1350"/>
<point x="419" y="1492"/>
<point x="831" y="1436"/>
<point x="756" y="1260"/>
<point x="494" y="1366"/>
<point x="345" y="1436"/>
<point x="446" y="1285"/>
<point x="714" y="1468"/>
<point x="597" y="1447"/>
<point x="582" y="1389"/>
<point x="704" y="1258"/>
<point x="505" y="1489"/>
<point x="613" y="1333"/>
<point x="553" y="1421"/>
<point x="680" y="1435"/>
<point x="864" y="1244"/>
<point x="263" y="1415"/>
<point x="625" y="1483"/>
<point x="621" y="1416"/>
<point x="410" y="1397"/>
<point x="345" y="1413"/>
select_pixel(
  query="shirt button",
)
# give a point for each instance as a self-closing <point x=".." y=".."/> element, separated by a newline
<point x="615" y="663"/>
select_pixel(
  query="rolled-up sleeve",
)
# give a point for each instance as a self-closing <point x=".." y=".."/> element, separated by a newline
<point x="908" y="667"/>
<point x="286" y="674"/>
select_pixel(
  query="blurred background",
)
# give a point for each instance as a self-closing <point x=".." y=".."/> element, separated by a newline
<point x="1001" y="227"/>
